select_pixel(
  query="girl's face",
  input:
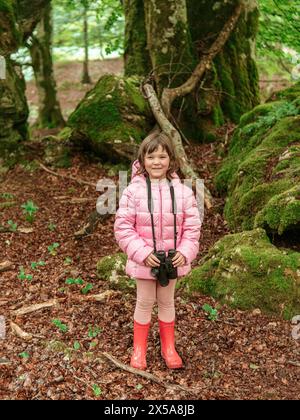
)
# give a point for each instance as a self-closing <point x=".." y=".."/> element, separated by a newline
<point x="157" y="163"/>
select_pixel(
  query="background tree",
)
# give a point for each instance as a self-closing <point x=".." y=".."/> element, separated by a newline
<point x="174" y="37"/>
<point x="17" y="22"/>
<point x="40" y="47"/>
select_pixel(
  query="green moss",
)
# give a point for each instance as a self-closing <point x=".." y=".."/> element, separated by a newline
<point x="281" y="213"/>
<point x="112" y="269"/>
<point x="137" y="59"/>
<point x="10" y="37"/>
<point x="235" y="65"/>
<point x="245" y="271"/>
<point x="113" y="112"/>
<point x="263" y="162"/>
<point x="290" y="93"/>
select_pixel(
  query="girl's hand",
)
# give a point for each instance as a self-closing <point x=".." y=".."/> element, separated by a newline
<point x="179" y="260"/>
<point x="152" y="261"/>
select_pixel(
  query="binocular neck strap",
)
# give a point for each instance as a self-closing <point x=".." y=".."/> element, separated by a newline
<point x="173" y="211"/>
<point x="151" y="210"/>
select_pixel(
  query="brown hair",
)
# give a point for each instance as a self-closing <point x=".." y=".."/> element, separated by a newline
<point x="151" y="144"/>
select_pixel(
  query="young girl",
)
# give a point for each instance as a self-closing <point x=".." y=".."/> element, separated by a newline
<point x="134" y="234"/>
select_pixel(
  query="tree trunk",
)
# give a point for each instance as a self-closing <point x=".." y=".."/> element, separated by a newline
<point x="136" y="56"/>
<point x="86" y="77"/>
<point x="41" y="54"/>
<point x="179" y="33"/>
<point x="230" y="88"/>
<point x="169" y="42"/>
<point x="17" y="21"/>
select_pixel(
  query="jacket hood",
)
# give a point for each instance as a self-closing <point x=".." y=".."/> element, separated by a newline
<point x="141" y="178"/>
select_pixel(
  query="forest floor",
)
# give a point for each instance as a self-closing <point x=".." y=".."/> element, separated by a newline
<point x="242" y="355"/>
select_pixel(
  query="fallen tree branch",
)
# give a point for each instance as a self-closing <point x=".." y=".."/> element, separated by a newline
<point x="103" y="296"/>
<point x="149" y="376"/>
<point x="91" y="224"/>
<point x="4" y="362"/>
<point x="80" y="181"/>
<point x="68" y="200"/>
<point x="291" y="362"/>
<point x="33" y="308"/>
<point x="6" y="266"/>
<point x="19" y="332"/>
<point x="4" y="229"/>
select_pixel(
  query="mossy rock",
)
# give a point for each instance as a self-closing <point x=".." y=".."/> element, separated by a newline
<point x="112" y="269"/>
<point x="113" y="170"/>
<point x="282" y="213"/>
<point x="264" y="163"/>
<point x="112" y="119"/>
<point x="246" y="271"/>
<point x="56" y="152"/>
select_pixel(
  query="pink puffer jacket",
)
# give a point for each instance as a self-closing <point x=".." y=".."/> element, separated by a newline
<point x="133" y="230"/>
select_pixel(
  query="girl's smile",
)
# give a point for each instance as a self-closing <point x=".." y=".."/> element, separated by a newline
<point x="157" y="163"/>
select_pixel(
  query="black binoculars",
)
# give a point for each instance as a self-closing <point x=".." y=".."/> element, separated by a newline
<point x="165" y="271"/>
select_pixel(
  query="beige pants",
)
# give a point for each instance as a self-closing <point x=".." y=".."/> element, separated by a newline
<point x="150" y="291"/>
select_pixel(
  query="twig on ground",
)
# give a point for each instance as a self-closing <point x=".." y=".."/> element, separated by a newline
<point x="32" y="308"/>
<point x="6" y="265"/>
<point x="19" y="332"/>
<point x="80" y="181"/>
<point x="291" y="362"/>
<point x="149" y="376"/>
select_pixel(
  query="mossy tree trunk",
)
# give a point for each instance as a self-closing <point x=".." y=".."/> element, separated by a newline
<point x="18" y="18"/>
<point x="178" y="34"/>
<point x="136" y="55"/>
<point x="50" y="114"/>
<point x="232" y="82"/>
<point x="169" y="42"/>
<point x="85" y="76"/>
<point x="17" y="21"/>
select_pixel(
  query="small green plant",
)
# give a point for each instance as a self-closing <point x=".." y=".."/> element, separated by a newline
<point x="13" y="226"/>
<point x="76" y="345"/>
<point x="68" y="261"/>
<point x="22" y="276"/>
<point x="52" y="248"/>
<point x="51" y="227"/>
<point x="94" y="331"/>
<point x="93" y="344"/>
<point x="62" y="327"/>
<point x="7" y="196"/>
<point x="97" y="390"/>
<point x="212" y="313"/>
<point x="87" y="289"/>
<point x="34" y="265"/>
<point x="72" y="281"/>
<point x="71" y="190"/>
<point x="30" y="210"/>
<point x="139" y="387"/>
<point x="24" y="355"/>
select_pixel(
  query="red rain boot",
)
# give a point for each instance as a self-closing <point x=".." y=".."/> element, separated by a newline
<point x="140" y="337"/>
<point x="167" y="339"/>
